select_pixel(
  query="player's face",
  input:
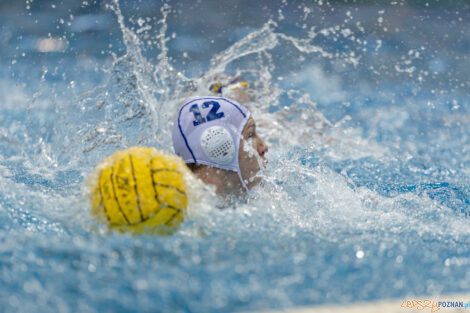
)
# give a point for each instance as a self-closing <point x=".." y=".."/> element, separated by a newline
<point x="251" y="154"/>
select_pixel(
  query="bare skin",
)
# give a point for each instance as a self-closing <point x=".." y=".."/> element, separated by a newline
<point x="228" y="181"/>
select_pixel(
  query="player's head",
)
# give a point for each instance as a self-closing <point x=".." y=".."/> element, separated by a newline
<point x="219" y="133"/>
<point x="232" y="87"/>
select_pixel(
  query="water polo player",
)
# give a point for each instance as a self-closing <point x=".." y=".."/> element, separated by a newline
<point x="217" y="139"/>
<point x="232" y="87"/>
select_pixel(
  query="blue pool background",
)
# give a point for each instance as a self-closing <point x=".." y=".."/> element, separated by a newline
<point x="364" y="107"/>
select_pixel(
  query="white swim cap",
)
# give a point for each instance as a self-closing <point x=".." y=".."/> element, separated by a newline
<point x="207" y="131"/>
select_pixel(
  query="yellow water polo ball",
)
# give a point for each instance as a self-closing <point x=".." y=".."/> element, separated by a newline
<point x="141" y="190"/>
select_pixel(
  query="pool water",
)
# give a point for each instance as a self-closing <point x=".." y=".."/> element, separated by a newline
<point x="363" y="105"/>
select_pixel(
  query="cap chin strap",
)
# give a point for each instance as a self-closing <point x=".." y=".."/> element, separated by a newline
<point x="241" y="179"/>
<point x="240" y="130"/>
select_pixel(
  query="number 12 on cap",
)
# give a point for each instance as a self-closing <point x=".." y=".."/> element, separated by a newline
<point x="212" y="115"/>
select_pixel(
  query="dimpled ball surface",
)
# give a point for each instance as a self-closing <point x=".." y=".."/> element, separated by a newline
<point x="139" y="190"/>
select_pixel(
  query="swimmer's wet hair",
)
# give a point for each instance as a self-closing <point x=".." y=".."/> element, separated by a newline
<point x="195" y="167"/>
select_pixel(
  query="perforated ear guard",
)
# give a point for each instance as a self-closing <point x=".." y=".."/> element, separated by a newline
<point x="218" y="145"/>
